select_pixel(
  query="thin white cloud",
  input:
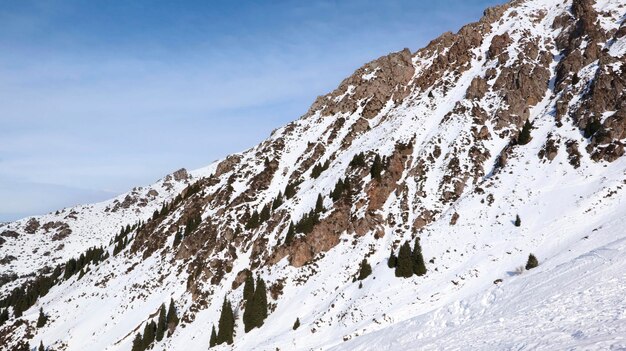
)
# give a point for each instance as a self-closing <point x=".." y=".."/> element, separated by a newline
<point x="111" y="116"/>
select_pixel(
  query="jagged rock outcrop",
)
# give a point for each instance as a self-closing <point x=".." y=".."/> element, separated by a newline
<point x="421" y="144"/>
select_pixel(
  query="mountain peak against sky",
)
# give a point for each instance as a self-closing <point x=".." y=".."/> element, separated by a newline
<point x="467" y="194"/>
<point x="199" y="81"/>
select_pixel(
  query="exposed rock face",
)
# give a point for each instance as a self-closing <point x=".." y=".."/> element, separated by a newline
<point x="574" y="154"/>
<point x="590" y="71"/>
<point x="128" y="202"/>
<point x="477" y="89"/>
<point x="62" y="233"/>
<point x="10" y="234"/>
<point x="549" y="150"/>
<point x="180" y="175"/>
<point x="376" y="83"/>
<point x="7" y="259"/>
<point x="454" y="219"/>
<point x="52" y="225"/>
<point x="498" y="48"/>
<point x="502" y="75"/>
<point x="402" y="142"/>
<point x="31" y="226"/>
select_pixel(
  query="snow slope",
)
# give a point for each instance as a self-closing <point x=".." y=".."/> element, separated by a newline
<point x="577" y="304"/>
<point x="90" y="225"/>
<point x="447" y="120"/>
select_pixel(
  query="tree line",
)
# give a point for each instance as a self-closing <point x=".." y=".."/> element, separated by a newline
<point x="155" y="331"/>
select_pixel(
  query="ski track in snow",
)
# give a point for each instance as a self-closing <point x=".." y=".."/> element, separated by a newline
<point x="575" y="305"/>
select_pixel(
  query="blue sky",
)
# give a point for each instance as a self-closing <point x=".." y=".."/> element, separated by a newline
<point x="99" y="96"/>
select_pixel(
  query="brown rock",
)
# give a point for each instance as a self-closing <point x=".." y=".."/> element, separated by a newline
<point x="300" y="254"/>
<point x="498" y="47"/>
<point x="393" y="72"/>
<point x="483" y="134"/>
<point x="180" y="175"/>
<point x="31" y="226"/>
<point x="549" y="150"/>
<point x="240" y="278"/>
<point x="425" y="218"/>
<point x="455" y="217"/>
<point x="477" y="89"/>
<point x="7" y="259"/>
<point x="571" y="147"/>
<point x="10" y="234"/>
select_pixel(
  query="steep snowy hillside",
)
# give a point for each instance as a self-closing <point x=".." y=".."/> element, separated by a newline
<point x="30" y="244"/>
<point x="488" y="145"/>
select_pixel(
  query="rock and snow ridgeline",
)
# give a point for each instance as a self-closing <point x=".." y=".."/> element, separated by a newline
<point x="428" y="145"/>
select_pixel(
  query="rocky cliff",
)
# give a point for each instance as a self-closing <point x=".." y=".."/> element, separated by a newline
<point x="413" y="145"/>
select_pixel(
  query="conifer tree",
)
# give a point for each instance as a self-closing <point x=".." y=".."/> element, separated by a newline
<point x="404" y="267"/>
<point x="177" y="238"/>
<point x="319" y="168"/>
<point x="248" y="317"/>
<point x="291" y="232"/>
<point x="319" y="204"/>
<point x="248" y="296"/>
<point x="377" y="168"/>
<point x="4" y="316"/>
<point x="192" y="224"/>
<point x="392" y="262"/>
<point x="524" y="135"/>
<point x="23" y="346"/>
<point x="253" y="222"/>
<point x="41" y="348"/>
<point x="256" y="308"/>
<point x="137" y="343"/>
<point x="260" y="298"/>
<point x="172" y="318"/>
<point x="148" y="334"/>
<point x="153" y="329"/>
<point x="213" y="339"/>
<point x="339" y="188"/>
<point x="358" y="160"/>
<point x="347" y="186"/>
<point x="518" y="221"/>
<point x="265" y="214"/>
<point x="290" y="190"/>
<point x="248" y="288"/>
<point x="307" y="222"/>
<point x="42" y="319"/>
<point x="532" y="262"/>
<point x="296" y="325"/>
<point x="316" y="171"/>
<point x="591" y="128"/>
<point x="226" y="324"/>
<point x="277" y="201"/>
<point x="161" y="325"/>
<point x="419" y="268"/>
<point x="365" y="270"/>
<point x="70" y="268"/>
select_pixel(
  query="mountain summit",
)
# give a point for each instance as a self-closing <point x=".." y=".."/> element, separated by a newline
<point x="469" y="195"/>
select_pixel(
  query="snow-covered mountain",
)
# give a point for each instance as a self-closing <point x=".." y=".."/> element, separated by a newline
<point x="518" y="115"/>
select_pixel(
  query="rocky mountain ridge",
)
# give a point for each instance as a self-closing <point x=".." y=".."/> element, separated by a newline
<point x="413" y="145"/>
